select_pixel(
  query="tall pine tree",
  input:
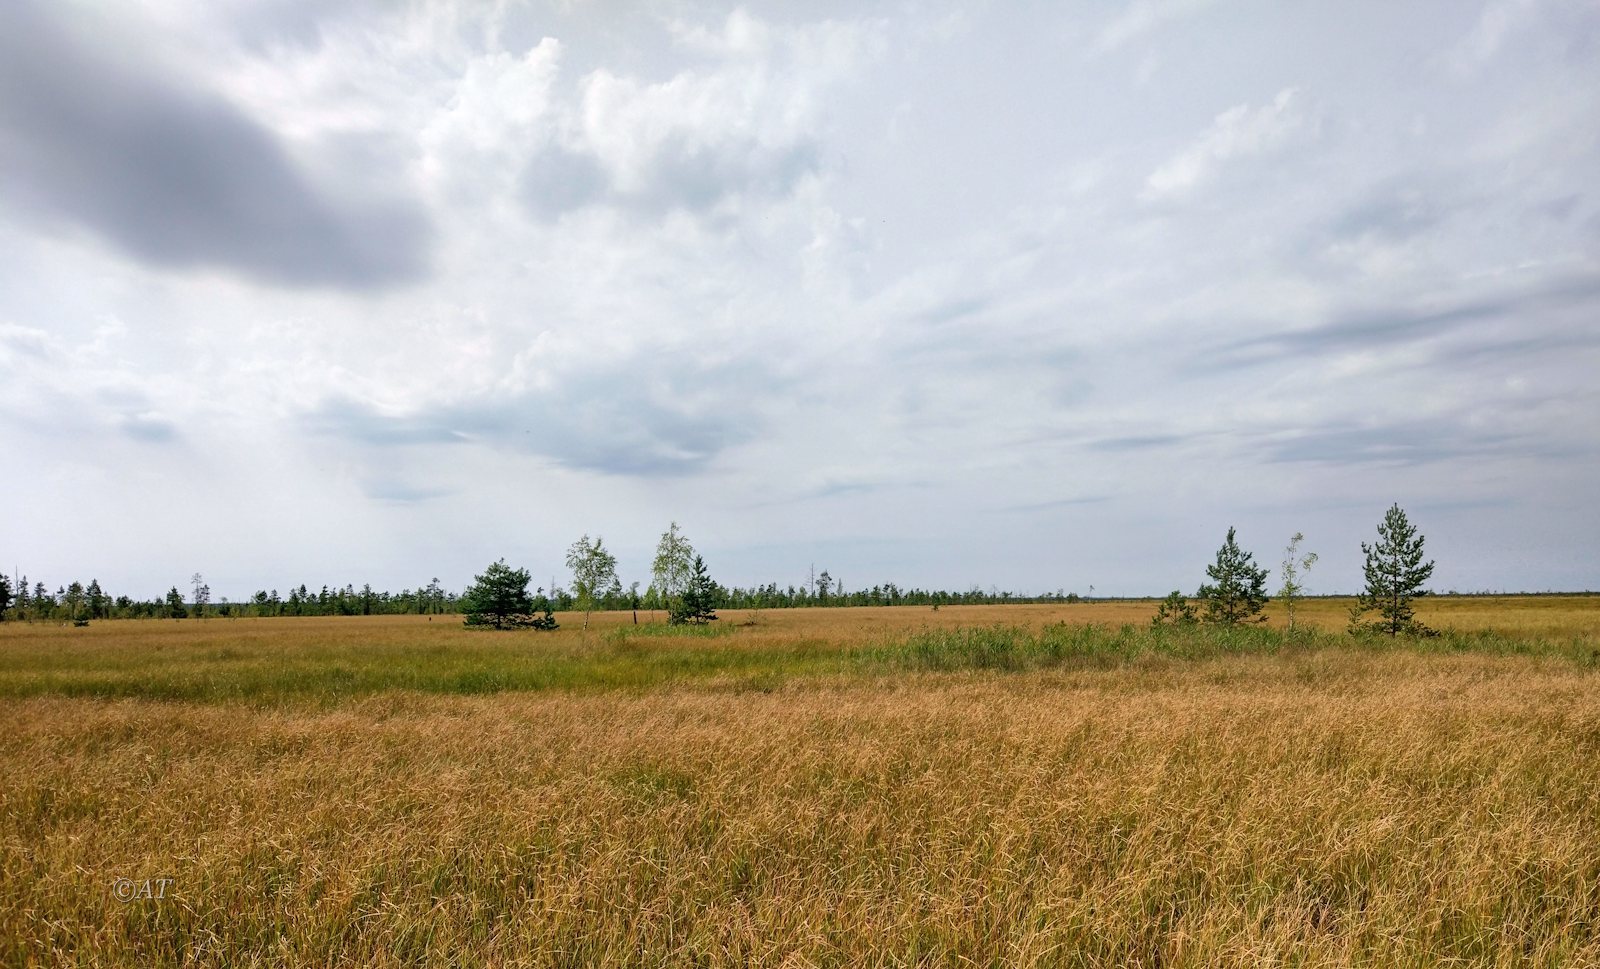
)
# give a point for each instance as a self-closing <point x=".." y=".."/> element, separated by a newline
<point x="1395" y="573"/>
<point x="1238" y="588"/>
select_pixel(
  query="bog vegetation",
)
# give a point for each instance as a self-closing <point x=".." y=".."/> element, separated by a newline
<point x="1011" y="785"/>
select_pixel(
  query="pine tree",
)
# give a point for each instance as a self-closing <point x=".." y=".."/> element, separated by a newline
<point x="99" y="602"/>
<point x="544" y="616"/>
<point x="499" y="598"/>
<point x="1173" y="611"/>
<point x="1238" y="588"/>
<point x="5" y="596"/>
<point x="697" y="605"/>
<point x="1395" y="573"/>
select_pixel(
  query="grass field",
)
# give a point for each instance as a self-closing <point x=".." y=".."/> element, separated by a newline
<point x="997" y="786"/>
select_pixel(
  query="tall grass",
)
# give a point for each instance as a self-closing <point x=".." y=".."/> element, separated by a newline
<point x="1015" y="648"/>
<point x="1396" y="810"/>
<point x="230" y="665"/>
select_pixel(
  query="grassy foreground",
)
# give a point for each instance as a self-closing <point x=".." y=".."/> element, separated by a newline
<point x="1005" y="786"/>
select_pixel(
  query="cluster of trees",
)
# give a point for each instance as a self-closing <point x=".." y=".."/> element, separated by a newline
<point x="431" y="599"/>
<point x="499" y="597"/>
<point x="75" y="602"/>
<point x="682" y="587"/>
<point x="1237" y="591"/>
<point x="79" y="603"/>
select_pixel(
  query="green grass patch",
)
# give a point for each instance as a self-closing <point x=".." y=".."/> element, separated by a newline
<point x="267" y="670"/>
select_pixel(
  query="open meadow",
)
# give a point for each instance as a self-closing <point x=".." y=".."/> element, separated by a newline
<point x="1054" y="785"/>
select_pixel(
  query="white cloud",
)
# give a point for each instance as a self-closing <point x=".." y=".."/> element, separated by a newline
<point x="1240" y="132"/>
<point x="1497" y="21"/>
<point x="496" y="114"/>
<point x="749" y="121"/>
<point x="1141" y="17"/>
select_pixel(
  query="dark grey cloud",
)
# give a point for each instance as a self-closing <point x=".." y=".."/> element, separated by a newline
<point x="174" y="176"/>
<point x="1539" y="305"/>
<point x="1397" y="209"/>
<point x="1400" y="443"/>
<point x="660" y="420"/>
<point x="837" y="489"/>
<point x="33" y="343"/>
<point x="344" y="417"/>
<point x="131" y="411"/>
<point x="1512" y="348"/>
<point x="82" y="407"/>
<point x="399" y="491"/>
<point x="1137" y="442"/>
<point x="847" y="488"/>
<point x="148" y="428"/>
<point x="1358" y="330"/>
<point x="1056" y="504"/>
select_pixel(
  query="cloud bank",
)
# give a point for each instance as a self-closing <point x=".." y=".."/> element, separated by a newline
<point x="913" y="293"/>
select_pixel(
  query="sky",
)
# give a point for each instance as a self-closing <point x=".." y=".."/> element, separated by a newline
<point x="1036" y="296"/>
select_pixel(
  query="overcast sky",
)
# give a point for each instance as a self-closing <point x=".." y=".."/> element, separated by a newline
<point x="1037" y="296"/>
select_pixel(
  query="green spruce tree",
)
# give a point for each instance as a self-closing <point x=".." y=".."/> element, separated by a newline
<point x="697" y="605"/>
<point x="1395" y="573"/>
<point x="1238" y="588"/>
<point x="175" y="607"/>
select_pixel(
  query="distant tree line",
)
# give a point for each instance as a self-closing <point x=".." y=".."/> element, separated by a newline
<point x="33" y="601"/>
<point x="682" y="587"/>
<point x="79" y="602"/>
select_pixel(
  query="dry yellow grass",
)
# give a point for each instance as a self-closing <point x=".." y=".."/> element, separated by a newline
<point x="1322" y="807"/>
<point x="1554" y="616"/>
